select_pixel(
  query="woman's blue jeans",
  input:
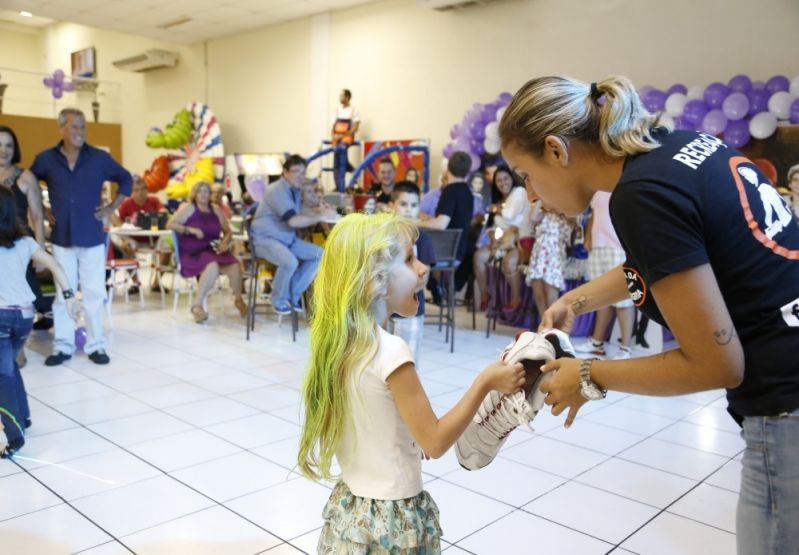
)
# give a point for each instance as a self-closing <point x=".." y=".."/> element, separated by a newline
<point x="768" y="507"/>
<point x="14" y="329"/>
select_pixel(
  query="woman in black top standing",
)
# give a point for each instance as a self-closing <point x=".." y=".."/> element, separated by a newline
<point x="712" y="252"/>
<point x="28" y="197"/>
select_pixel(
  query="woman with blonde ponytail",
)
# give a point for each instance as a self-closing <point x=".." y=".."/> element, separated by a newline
<point x="712" y="252"/>
<point x="364" y="403"/>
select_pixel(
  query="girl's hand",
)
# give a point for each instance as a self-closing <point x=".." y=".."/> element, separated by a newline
<point x="559" y="315"/>
<point x="197" y="232"/>
<point x="563" y="389"/>
<point x="505" y="378"/>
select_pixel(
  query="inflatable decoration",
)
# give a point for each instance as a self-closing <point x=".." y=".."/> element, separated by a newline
<point x="737" y="111"/>
<point x="477" y="133"/>
<point x="202" y="170"/>
<point x="157" y="176"/>
<point x="200" y="156"/>
<point x="57" y="84"/>
<point x="177" y="133"/>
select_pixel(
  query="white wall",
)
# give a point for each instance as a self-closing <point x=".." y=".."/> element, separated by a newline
<point x="415" y="71"/>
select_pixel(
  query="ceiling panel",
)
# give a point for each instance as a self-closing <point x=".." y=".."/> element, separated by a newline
<point x="210" y="18"/>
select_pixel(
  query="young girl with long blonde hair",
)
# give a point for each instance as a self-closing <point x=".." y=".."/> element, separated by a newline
<point x="364" y="403"/>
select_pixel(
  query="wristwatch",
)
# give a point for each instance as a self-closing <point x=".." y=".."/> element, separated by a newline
<point x="588" y="389"/>
<point x="67" y="294"/>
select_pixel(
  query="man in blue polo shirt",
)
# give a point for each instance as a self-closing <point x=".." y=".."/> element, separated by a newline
<point x="273" y="234"/>
<point x="74" y="173"/>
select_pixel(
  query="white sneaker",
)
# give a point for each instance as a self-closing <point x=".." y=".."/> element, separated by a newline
<point x="500" y="414"/>
<point x="589" y="347"/>
<point x="624" y="353"/>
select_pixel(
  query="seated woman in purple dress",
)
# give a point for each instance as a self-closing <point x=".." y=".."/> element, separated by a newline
<point x="204" y="239"/>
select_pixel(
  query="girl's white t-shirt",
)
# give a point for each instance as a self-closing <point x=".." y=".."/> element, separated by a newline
<point x="14" y="289"/>
<point x="378" y="456"/>
<point x="516" y="210"/>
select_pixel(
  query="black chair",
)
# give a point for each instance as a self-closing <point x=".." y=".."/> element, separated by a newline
<point x="445" y="246"/>
<point x="263" y="271"/>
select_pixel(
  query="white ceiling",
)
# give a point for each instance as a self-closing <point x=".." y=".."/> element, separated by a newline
<point x="209" y="19"/>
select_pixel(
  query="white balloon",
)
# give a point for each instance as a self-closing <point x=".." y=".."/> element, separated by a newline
<point x="795" y="86"/>
<point x="780" y="104"/>
<point x="491" y="144"/>
<point x="492" y="130"/>
<point x="697" y="92"/>
<point x="763" y="125"/>
<point x="444" y="164"/>
<point x="675" y="104"/>
<point x="501" y="111"/>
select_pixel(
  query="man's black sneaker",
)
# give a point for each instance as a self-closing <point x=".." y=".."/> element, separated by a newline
<point x="99" y="357"/>
<point x="56" y="358"/>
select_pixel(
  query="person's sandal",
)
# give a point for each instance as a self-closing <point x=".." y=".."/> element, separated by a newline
<point x="199" y="314"/>
<point x="241" y="306"/>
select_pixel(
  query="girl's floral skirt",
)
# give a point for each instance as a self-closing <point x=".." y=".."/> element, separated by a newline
<point x="360" y="526"/>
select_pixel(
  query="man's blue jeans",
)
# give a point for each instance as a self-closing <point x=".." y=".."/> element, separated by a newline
<point x="14" y="329"/>
<point x="768" y="506"/>
<point x="296" y="267"/>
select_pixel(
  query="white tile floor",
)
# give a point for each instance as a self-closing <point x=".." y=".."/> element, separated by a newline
<point x="185" y="444"/>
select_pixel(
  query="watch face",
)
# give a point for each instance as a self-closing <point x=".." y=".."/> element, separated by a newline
<point x="591" y="392"/>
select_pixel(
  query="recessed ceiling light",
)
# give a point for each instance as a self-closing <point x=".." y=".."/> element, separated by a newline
<point x="26" y="14"/>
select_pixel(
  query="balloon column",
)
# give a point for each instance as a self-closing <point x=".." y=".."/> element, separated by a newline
<point x="478" y="131"/>
<point x="57" y="84"/>
<point x="737" y="111"/>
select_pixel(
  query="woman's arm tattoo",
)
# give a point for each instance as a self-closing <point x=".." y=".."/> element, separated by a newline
<point x="579" y="303"/>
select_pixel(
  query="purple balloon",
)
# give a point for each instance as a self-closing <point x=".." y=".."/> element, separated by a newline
<point x="57" y="92"/>
<point x="489" y="113"/>
<point x="778" y="83"/>
<point x="681" y="123"/>
<point x="462" y="143"/>
<point x="758" y="85"/>
<point x="714" y="122"/>
<point x="505" y="98"/>
<point x="644" y="90"/>
<point x="80" y="337"/>
<point x="737" y="133"/>
<point x="677" y="87"/>
<point x="477" y="147"/>
<point x="448" y="150"/>
<point x="694" y="111"/>
<point x="795" y="111"/>
<point x="70" y="86"/>
<point x="48" y="82"/>
<point x="740" y="83"/>
<point x="715" y="93"/>
<point x="455" y="131"/>
<point x="59" y="75"/>
<point x="735" y="106"/>
<point x="655" y="100"/>
<point x="758" y="101"/>
<point x="479" y="132"/>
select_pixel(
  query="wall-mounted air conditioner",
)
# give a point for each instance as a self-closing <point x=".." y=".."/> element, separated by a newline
<point x="442" y="5"/>
<point x="152" y="59"/>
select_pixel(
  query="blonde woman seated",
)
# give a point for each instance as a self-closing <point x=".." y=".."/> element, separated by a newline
<point x="204" y="240"/>
<point x="511" y="212"/>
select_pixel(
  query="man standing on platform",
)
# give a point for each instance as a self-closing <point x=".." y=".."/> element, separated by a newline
<point x="345" y="126"/>
<point x="75" y="173"/>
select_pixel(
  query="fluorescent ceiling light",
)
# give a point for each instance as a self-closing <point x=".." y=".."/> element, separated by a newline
<point x="26" y="14"/>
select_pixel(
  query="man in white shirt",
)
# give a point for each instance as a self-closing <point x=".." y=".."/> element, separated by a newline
<point x="346" y="124"/>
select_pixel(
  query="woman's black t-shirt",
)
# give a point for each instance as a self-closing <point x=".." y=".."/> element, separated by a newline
<point x="693" y="201"/>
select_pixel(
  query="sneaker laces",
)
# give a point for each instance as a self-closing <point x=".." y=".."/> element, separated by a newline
<point x="501" y="414"/>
